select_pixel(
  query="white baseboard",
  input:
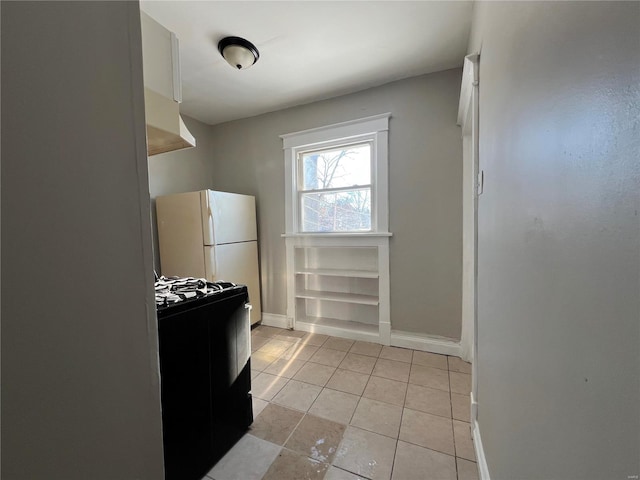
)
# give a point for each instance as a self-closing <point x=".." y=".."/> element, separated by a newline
<point x="483" y="469"/>
<point x="474" y="408"/>
<point x="425" y="343"/>
<point x="412" y="340"/>
<point x="335" y="331"/>
<point x="275" y="320"/>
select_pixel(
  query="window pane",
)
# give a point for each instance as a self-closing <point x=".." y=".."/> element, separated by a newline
<point x="340" y="167"/>
<point x="346" y="211"/>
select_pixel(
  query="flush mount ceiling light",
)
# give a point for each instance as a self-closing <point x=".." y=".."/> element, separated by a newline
<point x="238" y="52"/>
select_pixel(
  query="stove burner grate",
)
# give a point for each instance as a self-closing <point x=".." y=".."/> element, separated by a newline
<point x="170" y="290"/>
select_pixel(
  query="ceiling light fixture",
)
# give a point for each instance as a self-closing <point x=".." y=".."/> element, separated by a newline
<point x="238" y="52"/>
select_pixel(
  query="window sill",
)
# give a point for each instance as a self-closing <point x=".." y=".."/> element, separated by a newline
<point x="337" y="235"/>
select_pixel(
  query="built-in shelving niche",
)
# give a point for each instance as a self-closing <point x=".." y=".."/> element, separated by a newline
<point x="340" y="286"/>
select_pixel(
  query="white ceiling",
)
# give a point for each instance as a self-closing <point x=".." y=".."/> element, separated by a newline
<point x="308" y="50"/>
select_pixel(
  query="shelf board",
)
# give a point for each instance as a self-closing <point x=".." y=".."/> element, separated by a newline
<point x="339" y="297"/>
<point x="311" y="324"/>
<point x="334" y="272"/>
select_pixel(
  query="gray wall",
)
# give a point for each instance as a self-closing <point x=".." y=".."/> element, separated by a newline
<point x="559" y="239"/>
<point x="180" y="171"/>
<point x="425" y="157"/>
<point x="80" y="379"/>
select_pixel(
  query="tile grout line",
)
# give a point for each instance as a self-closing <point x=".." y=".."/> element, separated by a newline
<point x="431" y="449"/>
<point x="453" y="432"/>
<point x="279" y="390"/>
<point x="404" y="401"/>
<point x="351" y="472"/>
<point x="354" y="410"/>
<point x="294" y="429"/>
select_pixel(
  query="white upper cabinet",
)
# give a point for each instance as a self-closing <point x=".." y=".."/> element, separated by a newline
<point x="161" y="59"/>
<point x="163" y="91"/>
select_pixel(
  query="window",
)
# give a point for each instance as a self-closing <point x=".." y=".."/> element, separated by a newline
<point x="334" y="188"/>
<point x="337" y="178"/>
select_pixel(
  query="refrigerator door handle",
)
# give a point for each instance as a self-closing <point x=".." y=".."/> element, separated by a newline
<point x="210" y="263"/>
<point x="207" y="218"/>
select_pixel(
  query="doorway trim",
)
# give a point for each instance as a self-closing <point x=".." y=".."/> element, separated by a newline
<point x="468" y="120"/>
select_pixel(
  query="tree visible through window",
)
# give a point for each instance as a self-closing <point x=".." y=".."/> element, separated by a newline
<point x="334" y="188"/>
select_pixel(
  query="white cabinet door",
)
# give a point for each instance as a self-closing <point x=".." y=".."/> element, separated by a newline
<point x="160" y="59"/>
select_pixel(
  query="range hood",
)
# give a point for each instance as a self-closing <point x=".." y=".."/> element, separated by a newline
<point x="165" y="129"/>
<point x="162" y="89"/>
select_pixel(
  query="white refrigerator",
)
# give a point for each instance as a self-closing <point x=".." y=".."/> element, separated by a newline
<point x="210" y="235"/>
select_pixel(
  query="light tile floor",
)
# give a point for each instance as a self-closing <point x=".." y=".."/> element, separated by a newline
<point x="334" y="409"/>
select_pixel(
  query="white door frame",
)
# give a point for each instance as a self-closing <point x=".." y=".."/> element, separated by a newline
<point x="468" y="120"/>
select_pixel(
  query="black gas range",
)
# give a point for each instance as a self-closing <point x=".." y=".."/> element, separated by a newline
<point x="205" y="347"/>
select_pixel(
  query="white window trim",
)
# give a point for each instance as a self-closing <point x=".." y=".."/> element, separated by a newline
<point x="374" y="129"/>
